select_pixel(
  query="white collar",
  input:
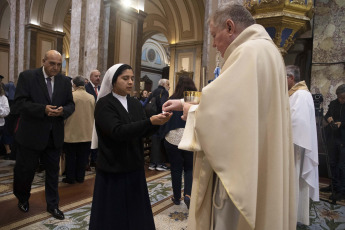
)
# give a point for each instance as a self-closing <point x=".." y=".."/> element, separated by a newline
<point x="45" y="75"/>
<point x="122" y="99"/>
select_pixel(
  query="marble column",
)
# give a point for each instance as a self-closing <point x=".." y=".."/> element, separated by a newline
<point x="21" y="36"/>
<point x="172" y="67"/>
<point x="77" y="42"/>
<point x="105" y="48"/>
<point x="93" y="36"/>
<point x="13" y="64"/>
<point x="139" y="45"/>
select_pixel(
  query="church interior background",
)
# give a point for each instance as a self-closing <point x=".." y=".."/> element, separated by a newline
<point x="167" y="38"/>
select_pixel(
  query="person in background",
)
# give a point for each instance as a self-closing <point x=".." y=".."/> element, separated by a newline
<point x="94" y="85"/>
<point x="120" y="198"/>
<point x="157" y="155"/>
<point x="43" y="100"/>
<point x="180" y="160"/>
<point x="335" y="117"/>
<point x="305" y="143"/>
<point x="10" y="90"/>
<point x="1" y="83"/>
<point x="93" y="88"/>
<point x="10" y="120"/>
<point x="78" y="133"/>
<point x="144" y="97"/>
<point x="4" y="111"/>
<point x="243" y="171"/>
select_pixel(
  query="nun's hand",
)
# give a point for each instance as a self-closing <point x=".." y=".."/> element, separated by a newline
<point x="161" y="118"/>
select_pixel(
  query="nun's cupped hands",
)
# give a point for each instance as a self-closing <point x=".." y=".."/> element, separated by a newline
<point x="161" y="118"/>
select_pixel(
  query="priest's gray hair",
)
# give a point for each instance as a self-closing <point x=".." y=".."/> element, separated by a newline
<point x="234" y="11"/>
<point x="79" y="81"/>
<point x="162" y="82"/>
<point x="292" y="70"/>
<point x="340" y="89"/>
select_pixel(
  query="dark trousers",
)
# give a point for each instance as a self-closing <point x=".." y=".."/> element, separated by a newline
<point x="24" y="172"/>
<point x="76" y="155"/>
<point x="158" y="154"/>
<point x="336" y="152"/>
<point x="180" y="160"/>
<point x="93" y="154"/>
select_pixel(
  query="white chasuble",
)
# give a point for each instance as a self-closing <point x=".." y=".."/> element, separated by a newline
<point x="241" y="132"/>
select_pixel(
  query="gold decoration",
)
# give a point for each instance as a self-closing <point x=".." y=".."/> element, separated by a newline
<point x="284" y="20"/>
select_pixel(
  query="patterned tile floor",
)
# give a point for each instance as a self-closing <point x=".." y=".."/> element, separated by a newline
<point x="323" y="215"/>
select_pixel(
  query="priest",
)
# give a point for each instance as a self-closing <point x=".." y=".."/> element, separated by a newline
<point x="241" y="132"/>
<point x="305" y="143"/>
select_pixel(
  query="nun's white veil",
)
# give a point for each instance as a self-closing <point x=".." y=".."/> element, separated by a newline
<point x="106" y="88"/>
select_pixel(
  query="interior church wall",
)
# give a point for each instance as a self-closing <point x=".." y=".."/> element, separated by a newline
<point x="328" y="63"/>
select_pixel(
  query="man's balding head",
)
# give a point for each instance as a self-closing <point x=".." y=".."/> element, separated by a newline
<point x="52" y="62"/>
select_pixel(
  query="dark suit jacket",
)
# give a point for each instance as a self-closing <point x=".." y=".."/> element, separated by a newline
<point x="89" y="88"/>
<point x="120" y="134"/>
<point x="30" y="100"/>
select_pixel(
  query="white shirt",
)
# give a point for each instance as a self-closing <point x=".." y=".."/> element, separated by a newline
<point x="4" y="109"/>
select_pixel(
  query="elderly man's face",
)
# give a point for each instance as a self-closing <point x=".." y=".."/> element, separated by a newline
<point x="221" y="38"/>
<point x="95" y="78"/>
<point x="291" y="81"/>
<point x="167" y="85"/>
<point x="52" y="63"/>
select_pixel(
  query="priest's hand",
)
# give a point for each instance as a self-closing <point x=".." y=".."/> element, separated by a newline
<point x="161" y="118"/>
<point x="186" y="108"/>
<point x="338" y="123"/>
<point x="172" y="105"/>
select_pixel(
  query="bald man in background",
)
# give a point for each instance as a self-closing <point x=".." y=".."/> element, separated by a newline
<point x="43" y="100"/>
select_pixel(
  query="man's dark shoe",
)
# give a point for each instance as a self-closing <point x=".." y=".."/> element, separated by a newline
<point x="68" y="181"/>
<point x="326" y="189"/>
<point x="56" y="213"/>
<point x="175" y="201"/>
<point x="24" y="207"/>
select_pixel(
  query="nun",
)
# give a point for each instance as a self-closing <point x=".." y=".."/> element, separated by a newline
<point x="120" y="199"/>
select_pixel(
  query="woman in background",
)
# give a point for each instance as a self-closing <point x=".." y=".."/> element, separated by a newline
<point x="120" y="199"/>
<point x="180" y="160"/>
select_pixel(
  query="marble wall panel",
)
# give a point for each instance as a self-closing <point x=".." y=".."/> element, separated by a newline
<point x="329" y="31"/>
<point x="328" y="70"/>
<point x="325" y="80"/>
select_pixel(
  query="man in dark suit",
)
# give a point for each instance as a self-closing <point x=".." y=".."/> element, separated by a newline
<point x="93" y="88"/>
<point x="43" y="99"/>
<point x="94" y="85"/>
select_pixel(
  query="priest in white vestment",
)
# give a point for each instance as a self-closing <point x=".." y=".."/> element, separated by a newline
<point x="241" y="133"/>
<point x="305" y="143"/>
